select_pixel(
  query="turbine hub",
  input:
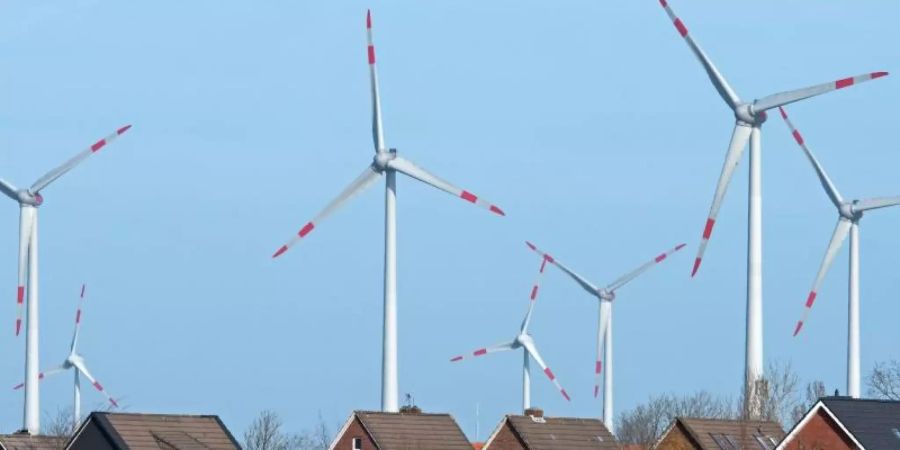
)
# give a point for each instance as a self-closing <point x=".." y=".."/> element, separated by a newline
<point x="607" y="295"/>
<point x="27" y="198"/>
<point x="382" y="158"/>
<point x="745" y="113"/>
<point x="850" y="213"/>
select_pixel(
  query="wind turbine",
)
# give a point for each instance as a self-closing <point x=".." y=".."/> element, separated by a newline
<point x="76" y="362"/>
<point x="386" y="162"/>
<point x="524" y="341"/>
<point x="29" y="199"/>
<point x="605" y="296"/>
<point x="749" y="117"/>
<point x="849" y="214"/>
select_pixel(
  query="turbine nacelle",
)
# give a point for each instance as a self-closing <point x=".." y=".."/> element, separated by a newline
<point x="522" y="340"/>
<point x="606" y="294"/>
<point x="746" y="114"/>
<point x="848" y="211"/>
<point x="383" y="158"/>
<point x="26" y="197"/>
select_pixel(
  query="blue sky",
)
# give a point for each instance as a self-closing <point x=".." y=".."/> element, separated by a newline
<point x="590" y="123"/>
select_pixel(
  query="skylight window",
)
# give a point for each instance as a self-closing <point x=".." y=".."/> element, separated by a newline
<point x="896" y="432"/>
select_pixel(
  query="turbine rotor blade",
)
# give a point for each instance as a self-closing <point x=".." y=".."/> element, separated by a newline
<point x="829" y="187"/>
<point x="602" y="327"/>
<point x="377" y="129"/>
<point x="786" y="98"/>
<point x="533" y="351"/>
<point x="624" y="279"/>
<point x="840" y="233"/>
<point x="718" y="80"/>
<point x="409" y="169"/>
<point x="584" y="283"/>
<point x="532" y="298"/>
<point x="485" y="350"/>
<point x="875" y="203"/>
<point x="9" y="190"/>
<point x="42" y="375"/>
<point x="99" y="387"/>
<point x="77" y="321"/>
<point x="26" y="229"/>
<point x="739" y="139"/>
<point x="52" y="175"/>
<point x="358" y="185"/>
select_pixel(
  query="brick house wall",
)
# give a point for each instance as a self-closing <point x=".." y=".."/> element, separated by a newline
<point x="677" y="439"/>
<point x="505" y="440"/>
<point x="355" y="430"/>
<point x="821" y="433"/>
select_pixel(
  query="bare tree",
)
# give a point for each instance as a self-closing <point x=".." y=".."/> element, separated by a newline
<point x="776" y="396"/>
<point x="814" y="391"/>
<point x="266" y="433"/>
<point x="884" y="381"/>
<point x="646" y="423"/>
<point x="61" y="426"/>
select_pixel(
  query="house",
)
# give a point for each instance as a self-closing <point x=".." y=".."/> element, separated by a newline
<point x="25" y="441"/>
<point x="718" y="434"/>
<point x="533" y="431"/>
<point x="836" y="423"/>
<point x="409" y="429"/>
<point x="120" y="431"/>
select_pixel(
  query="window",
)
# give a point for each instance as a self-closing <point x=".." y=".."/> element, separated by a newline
<point x="896" y="432"/>
<point x="357" y="443"/>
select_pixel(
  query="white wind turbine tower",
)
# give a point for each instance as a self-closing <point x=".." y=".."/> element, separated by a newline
<point x="749" y="117"/>
<point x="605" y="296"/>
<point x="29" y="199"/>
<point x="76" y="362"/>
<point x="386" y="162"/>
<point x="849" y="214"/>
<point x="524" y="341"/>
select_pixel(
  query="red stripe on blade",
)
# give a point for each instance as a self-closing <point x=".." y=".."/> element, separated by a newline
<point x="679" y="247"/>
<point x="875" y="75"/>
<point x="682" y="30"/>
<point x="98" y="386"/>
<point x="113" y="401"/>
<point x="598" y="367"/>
<point x="696" y="266"/>
<point x="797" y="137"/>
<point x="371" y="54"/>
<point x="20" y="294"/>
<point x="565" y="394"/>
<point x="78" y="317"/>
<point x="480" y="352"/>
<point x="549" y="374"/>
<point x="468" y="196"/>
<point x="306" y="229"/>
<point x="280" y="251"/>
<point x="19" y="386"/>
<point x="839" y="84"/>
<point x="123" y="129"/>
<point x="534" y="291"/>
<point x="661" y="257"/>
<point x="707" y="230"/>
<point x="18" y="326"/>
<point x="799" y="326"/>
<point x="369" y="19"/>
<point x="663" y="3"/>
<point x="811" y="299"/>
<point x="497" y="211"/>
<point x="543" y="264"/>
<point x="82" y="290"/>
<point x="783" y="114"/>
<point x="98" y="145"/>
<point x="530" y="245"/>
<point x="596" y="390"/>
<point x="456" y="358"/>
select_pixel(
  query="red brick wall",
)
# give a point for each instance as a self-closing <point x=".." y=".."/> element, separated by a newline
<point x="355" y="430"/>
<point x="505" y="440"/>
<point x="821" y="433"/>
<point x="676" y="440"/>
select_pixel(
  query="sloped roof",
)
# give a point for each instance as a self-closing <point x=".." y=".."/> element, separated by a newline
<point x="874" y="423"/>
<point x="413" y="431"/>
<point x="561" y="433"/>
<point x="24" y="441"/>
<point x="720" y="434"/>
<point x="163" y="431"/>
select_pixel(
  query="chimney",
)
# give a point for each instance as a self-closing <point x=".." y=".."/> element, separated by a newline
<point x="534" y="412"/>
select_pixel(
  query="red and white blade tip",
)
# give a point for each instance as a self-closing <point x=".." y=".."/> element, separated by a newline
<point x="850" y="81"/>
<point x="456" y="358"/>
<point x="123" y="129"/>
<point x="369" y="18"/>
<point x="301" y="234"/>
<point x="82" y="290"/>
<point x="472" y="198"/>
